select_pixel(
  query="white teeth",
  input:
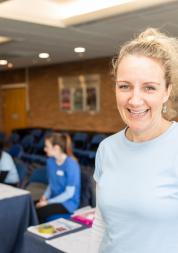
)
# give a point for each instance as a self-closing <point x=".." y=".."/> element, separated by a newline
<point x="137" y="112"/>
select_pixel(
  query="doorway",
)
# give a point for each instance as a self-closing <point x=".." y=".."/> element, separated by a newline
<point x="14" y="107"/>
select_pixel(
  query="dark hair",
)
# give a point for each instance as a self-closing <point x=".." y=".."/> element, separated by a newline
<point x="62" y="140"/>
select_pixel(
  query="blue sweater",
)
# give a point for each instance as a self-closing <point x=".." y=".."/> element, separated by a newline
<point x="62" y="178"/>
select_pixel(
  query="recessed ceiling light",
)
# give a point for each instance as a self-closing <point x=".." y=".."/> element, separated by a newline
<point x="10" y="65"/>
<point x="43" y="55"/>
<point x="3" y="62"/>
<point x="79" y="49"/>
<point x="4" y="39"/>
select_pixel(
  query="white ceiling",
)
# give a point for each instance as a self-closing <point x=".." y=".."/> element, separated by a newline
<point x="34" y="28"/>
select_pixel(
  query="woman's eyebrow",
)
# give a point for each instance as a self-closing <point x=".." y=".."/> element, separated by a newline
<point x="122" y="81"/>
<point x="145" y="83"/>
<point x="151" y="82"/>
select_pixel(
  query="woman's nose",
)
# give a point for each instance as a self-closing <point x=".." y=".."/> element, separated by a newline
<point x="136" y="98"/>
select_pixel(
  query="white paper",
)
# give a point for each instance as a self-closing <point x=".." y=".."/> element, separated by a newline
<point x="77" y="242"/>
<point x="7" y="191"/>
<point x="83" y="209"/>
<point x="60" y="225"/>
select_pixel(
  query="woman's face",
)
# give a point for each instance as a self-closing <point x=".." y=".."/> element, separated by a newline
<point x="140" y="93"/>
<point x="49" y="148"/>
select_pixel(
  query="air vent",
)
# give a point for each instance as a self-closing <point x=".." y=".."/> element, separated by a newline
<point x="14" y="55"/>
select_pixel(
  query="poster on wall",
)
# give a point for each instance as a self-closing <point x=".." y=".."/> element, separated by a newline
<point x="78" y="99"/>
<point x="79" y="93"/>
<point x="91" y="97"/>
<point x="66" y="99"/>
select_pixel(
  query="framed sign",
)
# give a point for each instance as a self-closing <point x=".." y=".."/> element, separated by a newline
<point x="66" y="99"/>
<point x="79" y="93"/>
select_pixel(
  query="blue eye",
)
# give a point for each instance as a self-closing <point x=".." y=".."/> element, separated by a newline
<point x="150" y="88"/>
<point x="123" y="86"/>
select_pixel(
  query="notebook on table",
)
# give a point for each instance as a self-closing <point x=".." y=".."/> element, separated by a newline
<point x="3" y="175"/>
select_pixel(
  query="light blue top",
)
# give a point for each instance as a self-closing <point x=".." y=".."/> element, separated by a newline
<point x="138" y="193"/>
<point x="7" y="163"/>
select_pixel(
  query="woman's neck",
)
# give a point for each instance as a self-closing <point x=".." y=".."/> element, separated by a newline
<point x="61" y="158"/>
<point x="149" y="135"/>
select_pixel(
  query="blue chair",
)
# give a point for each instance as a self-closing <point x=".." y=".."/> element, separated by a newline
<point x="95" y="141"/>
<point x="39" y="146"/>
<point x="80" y="140"/>
<point x="27" y="142"/>
<point x="88" y="187"/>
<point x="36" y="133"/>
<point x="88" y="156"/>
<point x="15" y="151"/>
<point x="14" y="138"/>
<point x="39" y="175"/>
<point x="37" y="183"/>
<point x="2" y="137"/>
<point x="33" y="158"/>
<point x="22" y="171"/>
<point x="79" y="144"/>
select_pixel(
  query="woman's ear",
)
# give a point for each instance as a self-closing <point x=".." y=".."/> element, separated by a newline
<point x="168" y="92"/>
<point x="57" y="148"/>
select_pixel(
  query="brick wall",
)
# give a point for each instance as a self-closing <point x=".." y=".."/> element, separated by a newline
<point x="44" y="96"/>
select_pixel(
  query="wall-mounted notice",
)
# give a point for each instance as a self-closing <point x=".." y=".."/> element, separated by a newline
<point x="79" y="93"/>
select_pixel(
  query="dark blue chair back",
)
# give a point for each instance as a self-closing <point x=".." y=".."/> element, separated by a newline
<point x="22" y="171"/>
<point x="15" y="150"/>
<point x="97" y="138"/>
<point x="80" y="140"/>
<point x="27" y="142"/>
<point x="39" y="175"/>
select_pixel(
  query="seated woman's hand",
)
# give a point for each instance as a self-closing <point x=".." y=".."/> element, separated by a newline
<point x="43" y="198"/>
<point x="41" y="203"/>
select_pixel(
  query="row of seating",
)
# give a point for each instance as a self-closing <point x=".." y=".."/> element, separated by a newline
<point x="37" y="182"/>
<point x="26" y="147"/>
<point x="30" y="147"/>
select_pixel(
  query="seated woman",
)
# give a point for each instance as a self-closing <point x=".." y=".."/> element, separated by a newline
<point x="63" y="192"/>
<point x="7" y="164"/>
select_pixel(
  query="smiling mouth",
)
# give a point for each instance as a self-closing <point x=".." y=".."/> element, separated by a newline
<point x="138" y="114"/>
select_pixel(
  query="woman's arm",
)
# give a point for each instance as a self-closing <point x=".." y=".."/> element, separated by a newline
<point x="43" y="201"/>
<point x="47" y="193"/>
<point x="98" y="229"/>
<point x="67" y="194"/>
<point x="73" y="175"/>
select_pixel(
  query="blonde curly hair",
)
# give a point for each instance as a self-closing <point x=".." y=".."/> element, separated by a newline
<point x="152" y="43"/>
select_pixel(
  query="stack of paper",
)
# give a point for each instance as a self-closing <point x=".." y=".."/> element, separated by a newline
<point x="60" y="226"/>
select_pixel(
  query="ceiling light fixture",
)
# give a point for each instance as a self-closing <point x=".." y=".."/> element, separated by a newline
<point x="4" y="39"/>
<point x="79" y="49"/>
<point x="43" y="55"/>
<point x="10" y="65"/>
<point x="3" y="62"/>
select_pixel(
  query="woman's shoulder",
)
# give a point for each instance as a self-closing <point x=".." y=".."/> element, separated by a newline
<point x="6" y="155"/>
<point x="71" y="160"/>
<point x="112" y="139"/>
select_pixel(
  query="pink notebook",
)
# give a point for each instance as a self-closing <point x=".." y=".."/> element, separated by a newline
<point x="85" y="218"/>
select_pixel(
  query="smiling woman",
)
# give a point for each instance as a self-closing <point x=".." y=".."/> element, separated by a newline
<point x="137" y="168"/>
<point x="141" y="92"/>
